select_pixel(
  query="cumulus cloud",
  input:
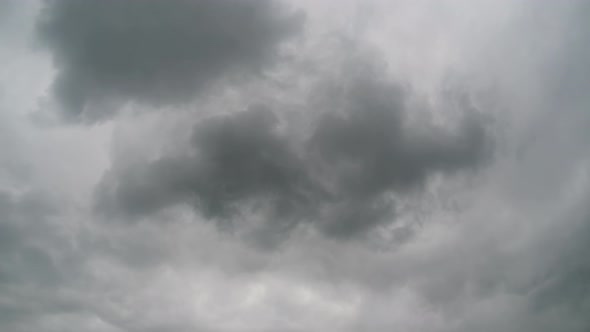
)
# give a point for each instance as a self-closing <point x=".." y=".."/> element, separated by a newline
<point x="155" y="53"/>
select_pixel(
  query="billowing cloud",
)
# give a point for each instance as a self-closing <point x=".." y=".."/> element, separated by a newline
<point x="342" y="175"/>
<point x="156" y="53"/>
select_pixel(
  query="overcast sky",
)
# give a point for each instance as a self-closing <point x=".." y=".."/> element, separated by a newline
<point x="294" y="165"/>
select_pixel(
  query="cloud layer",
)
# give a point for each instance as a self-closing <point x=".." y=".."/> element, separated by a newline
<point x="229" y="166"/>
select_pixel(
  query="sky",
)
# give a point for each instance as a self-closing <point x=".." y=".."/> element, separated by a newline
<point x="294" y="165"/>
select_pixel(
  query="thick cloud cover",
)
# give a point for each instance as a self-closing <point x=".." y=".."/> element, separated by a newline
<point x="342" y="176"/>
<point x="413" y="166"/>
<point x="155" y="52"/>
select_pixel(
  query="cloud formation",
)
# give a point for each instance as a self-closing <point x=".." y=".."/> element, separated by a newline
<point x="155" y="53"/>
<point x="342" y="176"/>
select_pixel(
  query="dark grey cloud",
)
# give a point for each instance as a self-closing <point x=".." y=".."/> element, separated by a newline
<point x="236" y="157"/>
<point x="366" y="152"/>
<point x="564" y="283"/>
<point x="155" y="52"/>
<point x="559" y="290"/>
<point x="341" y="175"/>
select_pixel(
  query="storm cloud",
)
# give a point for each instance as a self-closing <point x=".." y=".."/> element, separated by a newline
<point x="155" y="53"/>
<point x="342" y="175"/>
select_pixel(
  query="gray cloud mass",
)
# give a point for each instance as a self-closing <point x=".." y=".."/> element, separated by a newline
<point x="342" y="177"/>
<point x="155" y="52"/>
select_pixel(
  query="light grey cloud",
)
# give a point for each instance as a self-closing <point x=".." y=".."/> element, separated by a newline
<point x="28" y="247"/>
<point x="23" y="259"/>
<point x="155" y="53"/>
